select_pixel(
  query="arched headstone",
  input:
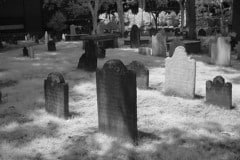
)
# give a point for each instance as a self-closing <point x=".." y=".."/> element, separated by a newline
<point x="180" y="74"/>
<point x="116" y="98"/>
<point x="135" y="37"/>
<point x="56" y="95"/>
<point x="219" y="93"/>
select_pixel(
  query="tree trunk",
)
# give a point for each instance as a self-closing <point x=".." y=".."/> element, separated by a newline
<point x="120" y="15"/>
<point x="94" y="13"/>
<point x="191" y="18"/>
<point x="182" y="14"/>
<point x="235" y="18"/>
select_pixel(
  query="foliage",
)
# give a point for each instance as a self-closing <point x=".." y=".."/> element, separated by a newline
<point x="57" y="22"/>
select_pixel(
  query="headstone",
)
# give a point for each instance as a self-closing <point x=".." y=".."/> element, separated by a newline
<point x="142" y="74"/>
<point x="116" y="98"/>
<point x="56" y="95"/>
<point x="224" y="52"/>
<point x="180" y="74"/>
<point x="25" y="52"/>
<point x="51" y="46"/>
<point x="219" y="93"/>
<point x="174" y="44"/>
<point x="237" y="47"/>
<point x="88" y="61"/>
<point x="72" y="30"/>
<point x="145" y="50"/>
<point x="101" y="28"/>
<point x="31" y="52"/>
<point x="63" y="37"/>
<point x="159" y="44"/>
<point x="135" y="37"/>
<point x="46" y="38"/>
<point x="202" y="32"/>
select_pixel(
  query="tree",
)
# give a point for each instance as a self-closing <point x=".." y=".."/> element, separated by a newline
<point x="191" y="18"/>
<point x="235" y="17"/>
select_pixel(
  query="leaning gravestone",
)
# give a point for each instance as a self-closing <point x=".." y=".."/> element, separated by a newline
<point x="51" y="46"/>
<point x="25" y="52"/>
<point x="219" y="93"/>
<point x="159" y="44"/>
<point x="116" y="98"/>
<point x="135" y="37"/>
<point x="174" y="44"/>
<point x="56" y="95"/>
<point x="142" y="74"/>
<point x="224" y="52"/>
<point x="180" y="74"/>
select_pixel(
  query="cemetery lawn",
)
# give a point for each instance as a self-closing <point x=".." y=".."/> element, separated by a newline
<point x="170" y="128"/>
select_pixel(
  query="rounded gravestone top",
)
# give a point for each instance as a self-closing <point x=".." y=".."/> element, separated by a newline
<point x="56" y="77"/>
<point x="219" y="81"/>
<point x="115" y="66"/>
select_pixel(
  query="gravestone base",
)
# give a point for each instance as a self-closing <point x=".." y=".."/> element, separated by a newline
<point x="51" y="46"/>
<point x="219" y="93"/>
<point x="145" y="50"/>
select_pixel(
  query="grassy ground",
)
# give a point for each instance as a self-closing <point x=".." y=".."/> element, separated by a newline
<point x="170" y="128"/>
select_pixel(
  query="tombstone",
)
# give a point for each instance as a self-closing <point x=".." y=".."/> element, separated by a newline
<point x="31" y="52"/>
<point x="88" y="61"/>
<point x="63" y="37"/>
<point x="237" y="47"/>
<point x="159" y="44"/>
<point x="142" y="74"/>
<point x="25" y="52"/>
<point x="213" y="49"/>
<point x="145" y="50"/>
<point x="135" y="37"/>
<point x="46" y="38"/>
<point x="219" y="93"/>
<point x="116" y="98"/>
<point x="101" y="51"/>
<point x="51" y="46"/>
<point x="180" y="74"/>
<point x="56" y="95"/>
<point x="223" y="52"/>
<point x="202" y="32"/>
<point x="174" y="44"/>
<point x="73" y="30"/>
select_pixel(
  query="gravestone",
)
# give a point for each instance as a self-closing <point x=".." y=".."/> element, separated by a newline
<point x="202" y="32"/>
<point x="31" y="52"/>
<point x="46" y="38"/>
<point x="88" y="61"/>
<point x="180" y="74"/>
<point x="224" y="52"/>
<point x="145" y="50"/>
<point x="237" y="47"/>
<point x="135" y="37"/>
<point x="63" y="37"/>
<point x="72" y="30"/>
<point x="174" y="44"/>
<point x="56" y="95"/>
<point x="213" y="52"/>
<point x="159" y="44"/>
<point x="25" y="52"/>
<point x="142" y="74"/>
<point x="116" y="98"/>
<point x="219" y="93"/>
<point x="51" y="46"/>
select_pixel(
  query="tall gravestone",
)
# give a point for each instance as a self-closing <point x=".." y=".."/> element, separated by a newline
<point x="72" y="30"/>
<point x="213" y="52"/>
<point x="224" y="52"/>
<point x="56" y="95"/>
<point x="31" y="52"/>
<point x="46" y="38"/>
<point x="219" y="93"/>
<point x="159" y="44"/>
<point x="174" y="44"/>
<point x="135" y="37"/>
<point x="180" y="74"/>
<point x="142" y="74"/>
<point x="116" y="99"/>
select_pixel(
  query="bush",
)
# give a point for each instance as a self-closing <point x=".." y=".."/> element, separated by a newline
<point x="57" y="22"/>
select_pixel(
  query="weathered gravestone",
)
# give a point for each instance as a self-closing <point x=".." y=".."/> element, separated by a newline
<point x="202" y="32"/>
<point x="174" y="44"/>
<point x="219" y="93"/>
<point x="213" y="52"/>
<point x="116" y="98"/>
<point x="56" y="95"/>
<point x="224" y="52"/>
<point x="159" y="44"/>
<point x="142" y="74"/>
<point x="46" y="38"/>
<point x="145" y="50"/>
<point x="25" y="52"/>
<point x="72" y="30"/>
<point x="51" y="46"/>
<point x="135" y="37"/>
<point x="31" y="52"/>
<point x="180" y="74"/>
